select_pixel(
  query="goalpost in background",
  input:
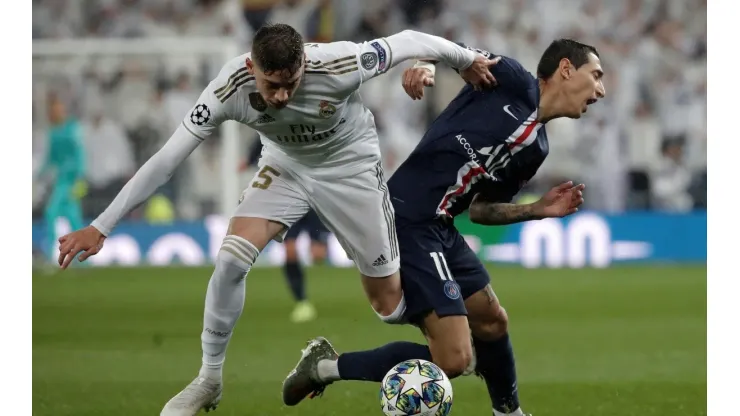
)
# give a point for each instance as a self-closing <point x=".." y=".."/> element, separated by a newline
<point x="68" y="58"/>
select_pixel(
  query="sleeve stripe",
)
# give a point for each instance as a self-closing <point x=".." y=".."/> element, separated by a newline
<point x="234" y="89"/>
<point x="234" y="75"/>
<point x="236" y="82"/>
<point x="318" y="63"/>
<point x="333" y="67"/>
<point x="328" y="72"/>
<point x="389" y="64"/>
<point x="200" y="139"/>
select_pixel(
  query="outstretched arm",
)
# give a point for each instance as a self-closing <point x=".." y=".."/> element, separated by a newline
<point x="198" y="124"/>
<point x="378" y="56"/>
<point x="410" y="44"/>
<point x="560" y="201"/>
<point x="153" y="174"/>
<point x="486" y="212"/>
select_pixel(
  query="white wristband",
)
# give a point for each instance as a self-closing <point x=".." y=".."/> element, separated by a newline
<point x="426" y="65"/>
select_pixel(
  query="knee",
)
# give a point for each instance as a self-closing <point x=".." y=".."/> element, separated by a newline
<point x="390" y="312"/>
<point x="236" y="256"/>
<point x="454" y="361"/>
<point x="491" y="326"/>
<point x="386" y="297"/>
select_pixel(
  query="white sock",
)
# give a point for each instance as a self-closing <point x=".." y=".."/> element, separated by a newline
<point x="225" y="301"/>
<point x="517" y="412"/>
<point x="328" y="370"/>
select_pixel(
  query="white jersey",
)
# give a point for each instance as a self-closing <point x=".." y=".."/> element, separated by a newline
<point x="325" y="130"/>
<point x="325" y="125"/>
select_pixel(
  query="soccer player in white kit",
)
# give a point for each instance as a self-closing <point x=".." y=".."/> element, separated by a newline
<point x="321" y="151"/>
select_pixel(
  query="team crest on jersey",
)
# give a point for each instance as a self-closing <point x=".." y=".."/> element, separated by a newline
<point x="257" y="102"/>
<point x="381" y="55"/>
<point x="368" y="60"/>
<point x="452" y="290"/>
<point x="326" y="110"/>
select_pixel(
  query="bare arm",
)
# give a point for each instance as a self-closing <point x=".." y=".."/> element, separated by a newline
<point x="496" y="213"/>
<point x="560" y="201"/>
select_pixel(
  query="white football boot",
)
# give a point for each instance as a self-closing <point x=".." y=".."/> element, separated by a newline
<point x="202" y="393"/>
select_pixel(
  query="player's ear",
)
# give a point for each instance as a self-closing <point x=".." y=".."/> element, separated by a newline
<point x="250" y="66"/>
<point x="565" y="68"/>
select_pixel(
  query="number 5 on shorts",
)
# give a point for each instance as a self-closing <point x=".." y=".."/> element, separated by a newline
<point x="266" y="174"/>
<point x="440" y="262"/>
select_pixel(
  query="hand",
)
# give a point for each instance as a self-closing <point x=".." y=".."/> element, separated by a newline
<point x="415" y="79"/>
<point x="479" y="74"/>
<point x="88" y="240"/>
<point x="560" y="201"/>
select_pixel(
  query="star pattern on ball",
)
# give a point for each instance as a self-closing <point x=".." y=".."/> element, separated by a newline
<point x="415" y="387"/>
<point x="201" y="115"/>
<point x="410" y="399"/>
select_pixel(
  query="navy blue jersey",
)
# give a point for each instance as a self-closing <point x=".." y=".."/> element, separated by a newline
<point x="487" y="142"/>
<point x="255" y="152"/>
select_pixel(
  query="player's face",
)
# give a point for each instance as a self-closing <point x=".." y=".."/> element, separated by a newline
<point x="584" y="87"/>
<point x="277" y="87"/>
<point x="57" y="112"/>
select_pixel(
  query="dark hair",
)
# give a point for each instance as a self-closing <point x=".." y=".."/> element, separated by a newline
<point x="277" y="47"/>
<point x="576" y="52"/>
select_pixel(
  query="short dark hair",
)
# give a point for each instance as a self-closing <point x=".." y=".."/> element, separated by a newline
<point x="277" y="47"/>
<point x="576" y="52"/>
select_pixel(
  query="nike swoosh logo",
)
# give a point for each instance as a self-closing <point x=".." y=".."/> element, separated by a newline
<point x="506" y="109"/>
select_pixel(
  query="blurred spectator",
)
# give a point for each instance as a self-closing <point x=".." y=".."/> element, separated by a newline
<point x="256" y="12"/>
<point x="320" y="25"/>
<point x="112" y="164"/>
<point x="295" y="13"/>
<point x="670" y="178"/>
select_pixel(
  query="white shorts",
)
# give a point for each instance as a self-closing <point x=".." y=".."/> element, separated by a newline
<point x="357" y="210"/>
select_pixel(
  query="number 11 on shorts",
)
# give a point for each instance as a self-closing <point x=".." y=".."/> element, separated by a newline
<point x="441" y="263"/>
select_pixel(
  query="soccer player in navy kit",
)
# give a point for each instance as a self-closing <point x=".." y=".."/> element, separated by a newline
<point x="475" y="156"/>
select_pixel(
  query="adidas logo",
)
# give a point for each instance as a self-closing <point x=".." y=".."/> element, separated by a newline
<point x="265" y="118"/>
<point x="380" y="261"/>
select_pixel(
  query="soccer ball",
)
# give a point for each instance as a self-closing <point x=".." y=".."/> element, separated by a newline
<point x="416" y="387"/>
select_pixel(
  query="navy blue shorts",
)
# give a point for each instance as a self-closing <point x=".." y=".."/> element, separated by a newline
<point x="438" y="270"/>
<point x="311" y="224"/>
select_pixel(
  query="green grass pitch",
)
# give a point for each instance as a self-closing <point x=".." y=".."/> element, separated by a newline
<point x="621" y="341"/>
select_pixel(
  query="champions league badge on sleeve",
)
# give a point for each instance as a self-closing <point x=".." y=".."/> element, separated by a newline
<point x="200" y="115"/>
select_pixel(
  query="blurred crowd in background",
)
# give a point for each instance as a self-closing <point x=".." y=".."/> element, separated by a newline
<point x="641" y="148"/>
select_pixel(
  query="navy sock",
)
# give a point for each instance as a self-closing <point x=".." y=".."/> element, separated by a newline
<point x="372" y="365"/>
<point x="495" y="363"/>
<point x="294" y="275"/>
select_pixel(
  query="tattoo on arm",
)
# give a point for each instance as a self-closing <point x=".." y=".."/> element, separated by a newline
<point x="490" y="294"/>
<point x="492" y="213"/>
